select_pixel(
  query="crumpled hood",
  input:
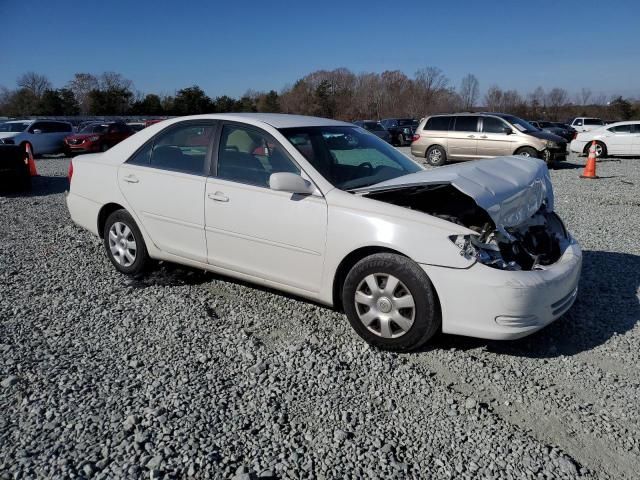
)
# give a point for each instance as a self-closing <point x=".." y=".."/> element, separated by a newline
<point x="510" y="189"/>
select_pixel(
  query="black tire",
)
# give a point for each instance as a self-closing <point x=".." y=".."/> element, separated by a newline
<point x="25" y="182"/>
<point x="601" y="149"/>
<point x="528" y="152"/>
<point x="436" y="156"/>
<point x="141" y="258"/>
<point x="400" y="140"/>
<point x="426" y="314"/>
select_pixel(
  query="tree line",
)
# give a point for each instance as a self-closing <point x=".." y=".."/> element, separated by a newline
<point x="337" y="93"/>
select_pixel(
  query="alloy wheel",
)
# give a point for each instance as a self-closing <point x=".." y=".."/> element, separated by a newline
<point x="122" y="244"/>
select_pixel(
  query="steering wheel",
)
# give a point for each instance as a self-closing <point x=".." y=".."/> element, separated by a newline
<point x="365" y="165"/>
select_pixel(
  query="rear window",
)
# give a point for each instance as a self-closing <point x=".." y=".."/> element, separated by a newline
<point x="375" y="126"/>
<point x="437" y="123"/>
<point x="593" y="121"/>
<point x="466" y="124"/>
<point x="407" y="123"/>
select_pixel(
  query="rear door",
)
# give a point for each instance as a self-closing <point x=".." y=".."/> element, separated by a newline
<point x="165" y="181"/>
<point x="463" y="137"/>
<point x="56" y="133"/>
<point x="619" y="139"/>
<point x="493" y="140"/>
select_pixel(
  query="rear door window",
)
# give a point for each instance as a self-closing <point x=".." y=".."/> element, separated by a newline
<point x="437" y="123"/>
<point x="593" y="121"/>
<point x="621" y="129"/>
<point x="182" y="148"/>
<point x="465" y="124"/>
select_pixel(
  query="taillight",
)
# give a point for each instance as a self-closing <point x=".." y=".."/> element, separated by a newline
<point x="70" y="173"/>
<point x="416" y="137"/>
<point x="575" y="135"/>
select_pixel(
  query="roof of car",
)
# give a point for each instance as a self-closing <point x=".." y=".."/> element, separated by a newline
<point x="626" y="122"/>
<point x="276" y="120"/>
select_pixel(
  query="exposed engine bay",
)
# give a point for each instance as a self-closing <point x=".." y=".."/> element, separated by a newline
<point x="533" y="244"/>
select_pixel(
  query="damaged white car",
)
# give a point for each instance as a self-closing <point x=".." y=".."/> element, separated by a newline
<point x="325" y="210"/>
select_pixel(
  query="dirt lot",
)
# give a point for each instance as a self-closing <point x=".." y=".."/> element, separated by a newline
<point x="183" y="373"/>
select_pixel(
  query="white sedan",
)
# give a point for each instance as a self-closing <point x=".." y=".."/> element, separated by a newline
<point x="619" y="139"/>
<point x="327" y="211"/>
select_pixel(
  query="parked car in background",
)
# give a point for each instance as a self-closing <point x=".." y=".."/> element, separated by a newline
<point x="42" y="136"/>
<point x="321" y="209"/>
<point x="554" y="128"/>
<point x="96" y="137"/>
<point x="616" y="139"/>
<point x="400" y="129"/>
<point x="466" y="136"/>
<point x="376" y="128"/>
<point x="584" y="124"/>
<point x="84" y="123"/>
<point x="136" y="126"/>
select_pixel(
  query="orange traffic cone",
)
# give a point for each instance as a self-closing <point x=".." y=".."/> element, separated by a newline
<point x="590" y="167"/>
<point x="32" y="165"/>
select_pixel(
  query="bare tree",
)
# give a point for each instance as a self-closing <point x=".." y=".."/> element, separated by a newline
<point x="493" y="98"/>
<point x="114" y="81"/>
<point x="34" y="82"/>
<point x="81" y="85"/>
<point x="557" y="98"/>
<point x="469" y="91"/>
<point x="585" y="96"/>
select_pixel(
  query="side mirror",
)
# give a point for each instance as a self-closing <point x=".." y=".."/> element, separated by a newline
<point x="508" y="131"/>
<point x="37" y="131"/>
<point x="290" y="182"/>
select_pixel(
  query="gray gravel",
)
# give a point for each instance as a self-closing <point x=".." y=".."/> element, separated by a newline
<point x="185" y="374"/>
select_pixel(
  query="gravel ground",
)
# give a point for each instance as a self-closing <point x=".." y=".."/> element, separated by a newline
<point x="186" y="374"/>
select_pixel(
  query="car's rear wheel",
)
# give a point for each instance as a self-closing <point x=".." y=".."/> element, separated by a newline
<point x="601" y="149"/>
<point x="400" y="140"/>
<point x="390" y="302"/>
<point x="124" y="243"/>
<point x="527" y="152"/>
<point x="436" y="156"/>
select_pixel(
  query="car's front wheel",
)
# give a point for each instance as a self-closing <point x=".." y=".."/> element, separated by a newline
<point x="390" y="302"/>
<point x="527" y="152"/>
<point x="124" y="243"/>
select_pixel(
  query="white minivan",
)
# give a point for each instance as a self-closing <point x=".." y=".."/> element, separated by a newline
<point x="42" y="136"/>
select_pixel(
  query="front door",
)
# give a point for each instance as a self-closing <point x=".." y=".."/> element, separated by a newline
<point x="257" y="231"/>
<point x="165" y="184"/>
<point x="463" y="137"/>
<point x="493" y="140"/>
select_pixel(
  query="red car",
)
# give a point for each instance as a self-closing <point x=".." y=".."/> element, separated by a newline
<point x="97" y="137"/>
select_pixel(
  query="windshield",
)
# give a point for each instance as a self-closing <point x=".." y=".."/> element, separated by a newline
<point x="94" y="128"/>
<point x="348" y="157"/>
<point x="14" y="127"/>
<point x="519" y="123"/>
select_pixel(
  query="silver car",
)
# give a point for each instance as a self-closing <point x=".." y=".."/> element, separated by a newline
<point x="43" y="136"/>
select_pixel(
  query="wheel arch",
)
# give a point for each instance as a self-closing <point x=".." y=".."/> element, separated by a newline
<point x="350" y="260"/>
<point x="104" y="213"/>
<point x="430" y="146"/>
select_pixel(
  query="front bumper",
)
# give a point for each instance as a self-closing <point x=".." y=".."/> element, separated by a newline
<point x="485" y="302"/>
<point x="552" y="154"/>
<point x="81" y="148"/>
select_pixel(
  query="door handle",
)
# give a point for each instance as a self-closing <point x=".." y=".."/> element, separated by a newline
<point x="471" y="136"/>
<point x="130" y="179"/>
<point x="218" y="197"/>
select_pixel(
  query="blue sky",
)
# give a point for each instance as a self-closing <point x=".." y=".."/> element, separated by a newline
<point x="229" y="47"/>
